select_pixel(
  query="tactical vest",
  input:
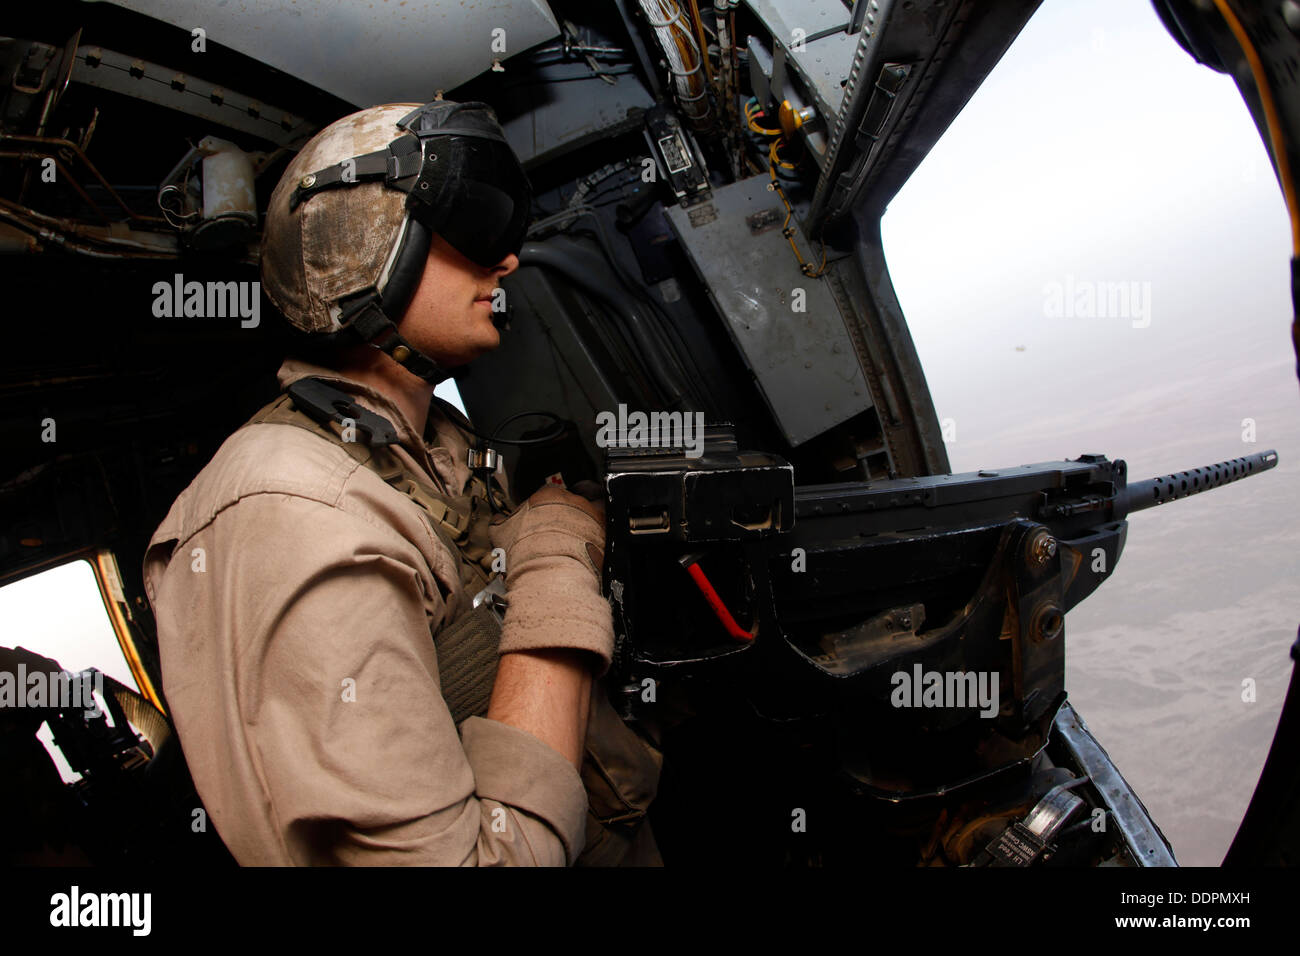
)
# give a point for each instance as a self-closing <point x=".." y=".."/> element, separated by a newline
<point x="468" y="641"/>
<point x="620" y="768"/>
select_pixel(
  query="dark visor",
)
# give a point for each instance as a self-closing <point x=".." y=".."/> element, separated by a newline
<point x="461" y="178"/>
<point x="472" y="192"/>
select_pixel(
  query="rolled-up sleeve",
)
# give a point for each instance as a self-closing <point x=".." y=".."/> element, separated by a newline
<point x="303" y="678"/>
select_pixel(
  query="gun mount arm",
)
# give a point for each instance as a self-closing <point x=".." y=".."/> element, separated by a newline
<point x="838" y="588"/>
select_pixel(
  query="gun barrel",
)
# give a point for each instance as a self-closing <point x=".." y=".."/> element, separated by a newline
<point x="1156" y="491"/>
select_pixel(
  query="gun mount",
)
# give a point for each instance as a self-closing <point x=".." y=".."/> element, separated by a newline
<point x="867" y="606"/>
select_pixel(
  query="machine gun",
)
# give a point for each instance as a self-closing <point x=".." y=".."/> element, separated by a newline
<point x="817" y="598"/>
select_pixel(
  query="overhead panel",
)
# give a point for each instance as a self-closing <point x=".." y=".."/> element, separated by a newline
<point x="158" y="84"/>
<point x="785" y="324"/>
<point x="367" y="51"/>
<point x="558" y="122"/>
<point x="810" y="18"/>
<point x="804" y="59"/>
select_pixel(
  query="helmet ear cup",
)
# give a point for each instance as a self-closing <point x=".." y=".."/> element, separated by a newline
<point x="408" y="267"/>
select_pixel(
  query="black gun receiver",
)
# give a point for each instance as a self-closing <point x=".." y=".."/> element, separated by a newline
<point x="816" y="598"/>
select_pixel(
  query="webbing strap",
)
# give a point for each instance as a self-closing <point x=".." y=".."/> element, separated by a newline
<point x="386" y="164"/>
<point x="452" y="514"/>
<point x="467" y="661"/>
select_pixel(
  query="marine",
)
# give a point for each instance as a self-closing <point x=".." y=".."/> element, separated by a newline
<point x="341" y="678"/>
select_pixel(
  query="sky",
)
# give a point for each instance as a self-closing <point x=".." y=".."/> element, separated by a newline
<point x="60" y="614"/>
<point x="1100" y="158"/>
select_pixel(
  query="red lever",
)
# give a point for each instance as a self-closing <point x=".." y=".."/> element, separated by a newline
<point x="690" y="562"/>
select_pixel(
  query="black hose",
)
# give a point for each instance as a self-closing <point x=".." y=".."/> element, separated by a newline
<point x="669" y="327"/>
<point x="607" y="250"/>
<point x="569" y="263"/>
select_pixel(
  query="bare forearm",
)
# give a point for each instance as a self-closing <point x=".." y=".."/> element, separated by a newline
<point x="557" y="630"/>
<point x="546" y="693"/>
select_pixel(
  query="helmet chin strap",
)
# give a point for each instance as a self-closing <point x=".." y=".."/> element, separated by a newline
<point x="368" y="321"/>
<point x="369" y="317"/>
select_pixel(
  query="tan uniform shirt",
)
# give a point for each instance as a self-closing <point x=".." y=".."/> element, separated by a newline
<point x="295" y="593"/>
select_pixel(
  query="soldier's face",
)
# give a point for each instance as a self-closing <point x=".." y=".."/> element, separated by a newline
<point x="450" y="315"/>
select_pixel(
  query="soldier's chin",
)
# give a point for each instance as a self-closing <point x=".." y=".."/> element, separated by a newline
<point x="491" y="334"/>
<point x="486" y="338"/>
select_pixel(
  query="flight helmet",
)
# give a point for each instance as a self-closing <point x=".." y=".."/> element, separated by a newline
<point x="351" y="221"/>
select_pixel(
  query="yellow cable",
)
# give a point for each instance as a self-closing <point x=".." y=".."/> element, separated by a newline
<point x="698" y="23"/>
<point x="786" y="231"/>
<point x="1271" y="120"/>
<point x="775" y="159"/>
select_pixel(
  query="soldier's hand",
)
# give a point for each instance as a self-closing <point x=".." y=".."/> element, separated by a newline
<point x="585" y="495"/>
<point x="555" y="554"/>
<point x="553" y="523"/>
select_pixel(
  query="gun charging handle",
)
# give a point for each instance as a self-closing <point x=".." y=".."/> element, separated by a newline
<point x="691" y="562"/>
